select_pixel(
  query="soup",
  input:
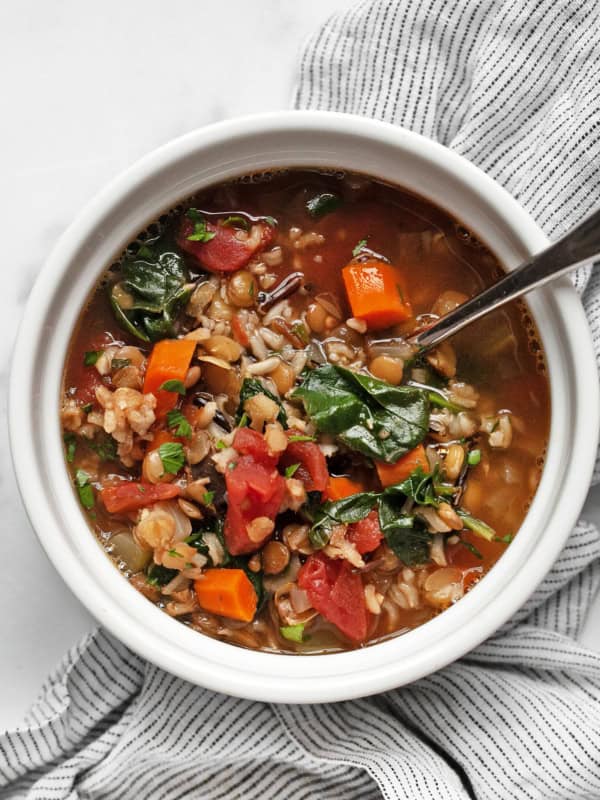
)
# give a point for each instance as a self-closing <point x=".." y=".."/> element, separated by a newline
<point x="255" y="443"/>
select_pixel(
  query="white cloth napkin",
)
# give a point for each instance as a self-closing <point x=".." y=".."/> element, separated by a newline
<point x="513" y="85"/>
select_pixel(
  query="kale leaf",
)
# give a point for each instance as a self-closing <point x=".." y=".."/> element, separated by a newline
<point x="155" y="285"/>
<point x="403" y="533"/>
<point x="368" y="415"/>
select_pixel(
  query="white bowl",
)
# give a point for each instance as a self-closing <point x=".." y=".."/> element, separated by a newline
<point x="137" y="197"/>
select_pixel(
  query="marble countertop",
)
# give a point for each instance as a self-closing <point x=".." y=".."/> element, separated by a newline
<point x="87" y="89"/>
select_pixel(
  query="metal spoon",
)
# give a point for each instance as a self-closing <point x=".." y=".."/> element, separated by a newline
<point x="580" y="245"/>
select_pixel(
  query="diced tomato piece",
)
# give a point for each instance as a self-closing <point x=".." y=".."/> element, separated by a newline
<point x="313" y="467"/>
<point x="129" y="496"/>
<point x="336" y="592"/>
<point x="365" y="534"/>
<point x="250" y="443"/>
<point x="85" y="379"/>
<point x="225" y="252"/>
<point x="253" y="490"/>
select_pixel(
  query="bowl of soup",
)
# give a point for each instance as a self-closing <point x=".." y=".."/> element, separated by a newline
<point x="229" y="448"/>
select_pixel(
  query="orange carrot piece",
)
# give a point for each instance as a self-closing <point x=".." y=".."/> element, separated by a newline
<point x="389" y="474"/>
<point x="375" y="294"/>
<point x="169" y="361"/>
<point x="228" y="593"/>
<point x="338" y="488"/>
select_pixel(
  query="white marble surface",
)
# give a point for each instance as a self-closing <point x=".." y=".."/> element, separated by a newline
<point x="86" y="89"/>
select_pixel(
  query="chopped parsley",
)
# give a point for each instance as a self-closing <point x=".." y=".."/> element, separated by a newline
<point x="294" y="633"/>
<point x="220" y="445"/>
<point x="70" y="441"/>
<point x="291" y="470"/>
<point x="208" y="497"/>
<point x="474" y="458"/>
<point x="172" y="457"/>
<point x="200" y="232"/>
<point x="105" y="447"/>
<point x="84" y="489"/>
<point x="178" y="423"/>
<point x="174" y="554"/>
<point x="173" y="386"/>
<point x="87" y="408"/>
<point x="301" y="438"/>
<point x="119" y="363"/>
<point x="359" y="247"/>
<point x="91" y="356"/>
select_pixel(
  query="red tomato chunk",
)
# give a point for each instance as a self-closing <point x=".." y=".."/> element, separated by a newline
<point x="254" y="489"/>
<point x="313" y="467"/>
<point x="337" y="593"/>
<point x="366" y="534"/>
<point x="225" y="252"/>
<point x="129" y="496"/>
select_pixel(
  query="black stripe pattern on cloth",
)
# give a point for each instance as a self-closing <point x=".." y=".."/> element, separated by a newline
<point x="513" y="85"/>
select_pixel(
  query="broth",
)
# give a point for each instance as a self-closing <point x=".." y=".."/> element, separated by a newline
<point x="499" y="395"/>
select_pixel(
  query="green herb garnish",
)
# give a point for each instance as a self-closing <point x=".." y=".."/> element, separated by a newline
<point x="477" y="526"/>
<point x="177" y="422"/>
<point x="84" y="489"/>
<point x="294" y="633"/>
<point x="207" y="498"/>
<point x="119" y="363"/>
<point x="91" y="356"/>
<point x="301" y="438"/>
<point x="70" y="441"/>
<point x="200" y="232"/>
<point x="358" y="247"/>
<point x="87" y="408"/>
<point x="220" y="445"/>
<point x="474" y="458"/>
<point x="105" y="447"/>
<point x="291" y="470"/>
<point x="172" y="457"/>
<point x="173" y="386"/>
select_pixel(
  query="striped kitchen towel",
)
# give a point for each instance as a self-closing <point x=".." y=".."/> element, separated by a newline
<point x="513" y="85"/>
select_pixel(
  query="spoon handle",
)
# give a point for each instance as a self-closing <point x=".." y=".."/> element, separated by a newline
<point x="579" y="245"/>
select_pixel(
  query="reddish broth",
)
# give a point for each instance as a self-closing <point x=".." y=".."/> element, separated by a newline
<point x="500" y="356"/>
